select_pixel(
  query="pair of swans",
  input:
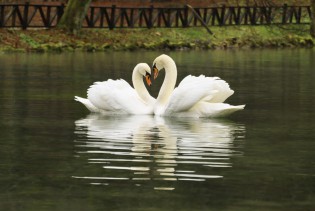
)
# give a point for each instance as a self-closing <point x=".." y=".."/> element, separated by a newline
<point x="194" y="97"/>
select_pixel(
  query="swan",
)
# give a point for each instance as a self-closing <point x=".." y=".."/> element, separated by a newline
<point x="194" y="97"/>
<point x="118" y="97"/>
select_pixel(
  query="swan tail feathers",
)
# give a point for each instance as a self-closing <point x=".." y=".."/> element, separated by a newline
<point x="87" y="104"/>
<point x="215" y="110"/>
<point x="230" y="110"/>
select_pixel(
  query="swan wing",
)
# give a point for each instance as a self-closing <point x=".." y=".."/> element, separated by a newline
<point x="189" y="92"/>
<point x="116" y="96"/>
<point x="223" y="91"/>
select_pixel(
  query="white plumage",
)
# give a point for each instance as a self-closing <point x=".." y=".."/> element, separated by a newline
<point x="194" y="97"/>
<point x="113" y="97"/>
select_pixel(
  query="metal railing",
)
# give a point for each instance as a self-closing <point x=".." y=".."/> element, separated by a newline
<point x="45" y="15"/>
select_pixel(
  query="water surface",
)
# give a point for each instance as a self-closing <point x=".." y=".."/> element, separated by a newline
<point x="56" y="156"/>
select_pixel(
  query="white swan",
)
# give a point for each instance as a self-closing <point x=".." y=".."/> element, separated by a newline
<point x="194" y="97"/>
<point x="118" y="97"/>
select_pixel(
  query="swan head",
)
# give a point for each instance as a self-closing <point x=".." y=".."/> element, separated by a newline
<point x="161" y="62"/>
<point x="145" y="70"/>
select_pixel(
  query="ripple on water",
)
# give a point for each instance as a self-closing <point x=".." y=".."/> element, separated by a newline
<point x="148" y="149"/>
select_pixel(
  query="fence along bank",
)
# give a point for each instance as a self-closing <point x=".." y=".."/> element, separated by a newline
<point x="29" y="15"/>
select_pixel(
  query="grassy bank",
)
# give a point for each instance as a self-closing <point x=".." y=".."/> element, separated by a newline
<point x="150" y="39"/>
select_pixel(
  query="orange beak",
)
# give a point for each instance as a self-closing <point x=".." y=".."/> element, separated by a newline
<point x="155" y="72"/>
<point x="148" y="80"/>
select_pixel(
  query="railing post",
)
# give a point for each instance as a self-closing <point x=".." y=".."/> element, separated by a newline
<point x="205" y="15"/>
<point x="112" y="18"/>
<point x="1" y="16"/>
<point x="253" y="17"/>
<point x="222" y="18"/>
<point x="185" y="23"/>
<point x="122" y="15"/>
<point x="101" y="17"/>
<point x="239" y="16"/>
<point x="268" y="15"/>
<point x="299" y="15"/>
<point x="178" y="13"/>
<point x="60" y="10"/>
<point x="131" y="20"/>
<point x="284" y="14"/>
<point x="91" y="19"/>
<point x="247" y="13"/>
<point x="150" y="21"/>
<point x="25" y="16"/>
<point x="47" y="20"/>
<point x="168" y="22"/>
<point x="158" y="17"/>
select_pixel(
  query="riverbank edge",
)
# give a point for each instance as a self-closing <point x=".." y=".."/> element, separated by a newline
<point x="92" y="40"/>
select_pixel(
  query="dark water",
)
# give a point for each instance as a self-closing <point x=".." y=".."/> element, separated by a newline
<point x="55" y="156"/>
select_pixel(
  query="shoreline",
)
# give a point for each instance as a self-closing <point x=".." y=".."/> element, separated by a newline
<point x="193" y="38"/>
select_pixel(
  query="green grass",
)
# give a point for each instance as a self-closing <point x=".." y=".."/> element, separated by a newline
<point x="158" y="38"/>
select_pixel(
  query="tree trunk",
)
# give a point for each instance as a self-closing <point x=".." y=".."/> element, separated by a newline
<point x="313" y="18"/>
<point x="73" y="16"/>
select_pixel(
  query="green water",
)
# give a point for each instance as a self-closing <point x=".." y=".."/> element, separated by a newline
<point x="55" y="156"/>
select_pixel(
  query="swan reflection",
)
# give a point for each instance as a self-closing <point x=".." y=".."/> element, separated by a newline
<point x="147" y="148"/>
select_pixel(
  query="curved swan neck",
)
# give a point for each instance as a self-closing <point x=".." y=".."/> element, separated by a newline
<point x="139" y="86"/>
<point x="169" y="81"/>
